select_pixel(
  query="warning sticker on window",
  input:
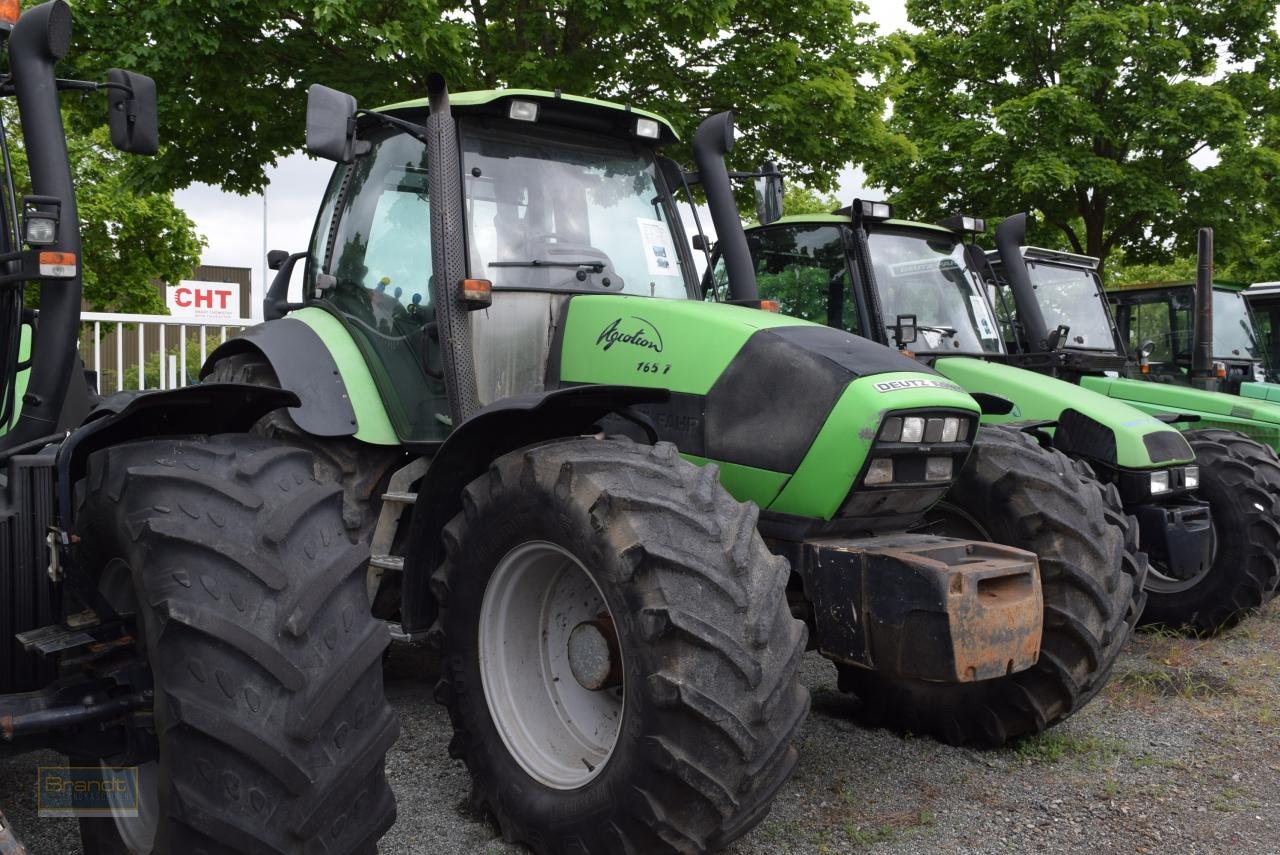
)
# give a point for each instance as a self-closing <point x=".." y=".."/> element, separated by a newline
<point x="986" y="327"/>
<point x="659" y="251"/>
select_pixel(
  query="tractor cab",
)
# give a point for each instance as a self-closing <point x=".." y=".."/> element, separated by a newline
<point x="1066" y="325"/>
<point x="1157" y="323"/>
<point x="560" y="196"/>
<point x="1058" y="320"/>
<point x="922" y="296"/>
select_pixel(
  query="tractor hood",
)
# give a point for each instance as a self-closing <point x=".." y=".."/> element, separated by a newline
<point x="1261" y="391"/>
<point x="1098" y="428"/>
<point x="1257" y="418"/>
<point x="789" y="409"/>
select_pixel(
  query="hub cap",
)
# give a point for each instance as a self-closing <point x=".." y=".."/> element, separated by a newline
<point x="550" y="665"/>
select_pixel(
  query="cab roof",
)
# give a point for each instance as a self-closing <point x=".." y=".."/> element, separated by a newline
<point x="1218" y="284"/>
<point x="622" y="116"/>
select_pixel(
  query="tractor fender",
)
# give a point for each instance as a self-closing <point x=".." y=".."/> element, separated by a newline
<point x="303" y="364"/>
<point x="206" y="408"/>
<point x="489" y="433"/>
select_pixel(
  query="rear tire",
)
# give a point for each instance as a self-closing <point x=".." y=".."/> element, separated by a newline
<point x="1240" y="479"/>
<point x="362" y="469"/>
<point x="1013" y="491"/>
<point x="709" y="700"/>
<point x="270" y="719"/>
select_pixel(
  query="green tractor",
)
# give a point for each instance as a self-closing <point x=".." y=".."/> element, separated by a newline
<point x="1263" y="300"/>
<point x="614" y="508"/>
<point x="1157" y="323"/>
<point x="182" y="612"/>
<point x="1208" y="529"/>
<point x="1234" y="437"/>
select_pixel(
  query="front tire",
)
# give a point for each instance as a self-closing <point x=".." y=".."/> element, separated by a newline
<point x="676" y="733"/>
<point x="270" y="721"/>
<point x="1240" y="479"/>
<point x="1015" y="492"/>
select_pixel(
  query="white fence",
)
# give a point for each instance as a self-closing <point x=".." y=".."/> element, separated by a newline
<point x="148" y="351"/>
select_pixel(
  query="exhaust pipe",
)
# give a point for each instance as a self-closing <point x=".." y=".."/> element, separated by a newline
<point x="711" y="142"/>
<point x="1202" y="367"/>
<point x="1011" y="235"/>
<point x="39" y="40"/>
<point x="448" y="252"/>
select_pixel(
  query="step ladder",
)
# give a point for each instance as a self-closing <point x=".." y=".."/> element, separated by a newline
<point x="398" y="499"/>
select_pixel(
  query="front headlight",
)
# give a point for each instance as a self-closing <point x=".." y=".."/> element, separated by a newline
<point x="1191" y="477"/>
<point x="1159" y="482"/>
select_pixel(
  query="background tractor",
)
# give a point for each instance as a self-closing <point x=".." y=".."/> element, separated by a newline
<point x="177" y="597"/>
<point x="538" y="348"/>
<point x="919" y="286"/>
<point x="1233" y="437"/>
<point x="1263" y="299"/>
<point x="888" y="280"/>
<point x="1157" y="323"/>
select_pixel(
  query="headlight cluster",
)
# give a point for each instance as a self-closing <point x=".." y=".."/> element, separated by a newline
<point x="917" y="449"/>
<point x="1178" y="478"/>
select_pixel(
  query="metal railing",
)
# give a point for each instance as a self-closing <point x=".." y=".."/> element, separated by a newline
<point x="148" y="351"/>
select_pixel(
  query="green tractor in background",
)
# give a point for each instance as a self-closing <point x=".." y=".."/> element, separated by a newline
<point x="1263" y="300"/>
<point x="1234" y="437"/>
<point x="1156" y="322"/>
<point x="1209" y="530"/>
<point x="604" y="500"/>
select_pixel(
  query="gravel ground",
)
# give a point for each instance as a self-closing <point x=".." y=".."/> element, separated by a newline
<point x="1180" y="753"/>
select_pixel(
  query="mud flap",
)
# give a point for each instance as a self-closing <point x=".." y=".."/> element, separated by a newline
<point x="926" y="607"/>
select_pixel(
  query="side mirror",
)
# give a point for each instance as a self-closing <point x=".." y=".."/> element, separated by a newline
<point x="331" y="124"/>
<point x="769" y="192"/>
<point x="1058" y="337"/>
<point x="904" y="330"/>
<point x="275" y="258"/>
<point x="132" y="116"/>
<point x="1148" y="348"/>
<point x="700" y="242"/>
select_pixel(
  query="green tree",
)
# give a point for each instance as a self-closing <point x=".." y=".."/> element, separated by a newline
<point x="1087" y="111"/>
<point x="232" y="74"/>
<point x="130" y="239"/>
<point x="799" y="199"/>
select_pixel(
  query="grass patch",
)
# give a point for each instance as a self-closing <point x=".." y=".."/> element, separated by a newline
<point x="1052" y="746"/>
<point x="1192" y="684"/>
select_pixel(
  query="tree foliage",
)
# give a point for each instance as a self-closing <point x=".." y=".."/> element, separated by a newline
<point x="232" y="74"/>
<point x="130" y="238"/>
<point x="1087" y="111"/>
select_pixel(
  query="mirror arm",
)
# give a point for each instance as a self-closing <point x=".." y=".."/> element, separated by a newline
<point x="417" y="131"/>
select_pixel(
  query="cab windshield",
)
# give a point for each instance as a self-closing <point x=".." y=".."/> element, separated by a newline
<point x="925" y="276"/>
<point x="550" y="209"/>
<point x="1068" y="296"/>
<point x="1233" y="336"/>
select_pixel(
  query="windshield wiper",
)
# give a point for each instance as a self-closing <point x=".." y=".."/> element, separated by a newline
<point x="597" y="266"/>
<point x="949" y="332"/>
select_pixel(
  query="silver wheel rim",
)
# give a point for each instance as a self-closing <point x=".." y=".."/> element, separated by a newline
<point x="560" y="732"/>
<point x="138" y="833"/>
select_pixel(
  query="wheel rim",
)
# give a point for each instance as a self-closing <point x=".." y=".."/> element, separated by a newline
<point x="1162" y="583"/>
<point x="545" y="637"/>
<point x="138" y="833"/>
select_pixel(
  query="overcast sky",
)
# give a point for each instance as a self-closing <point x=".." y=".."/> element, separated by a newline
<point x="233" y="225"/>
